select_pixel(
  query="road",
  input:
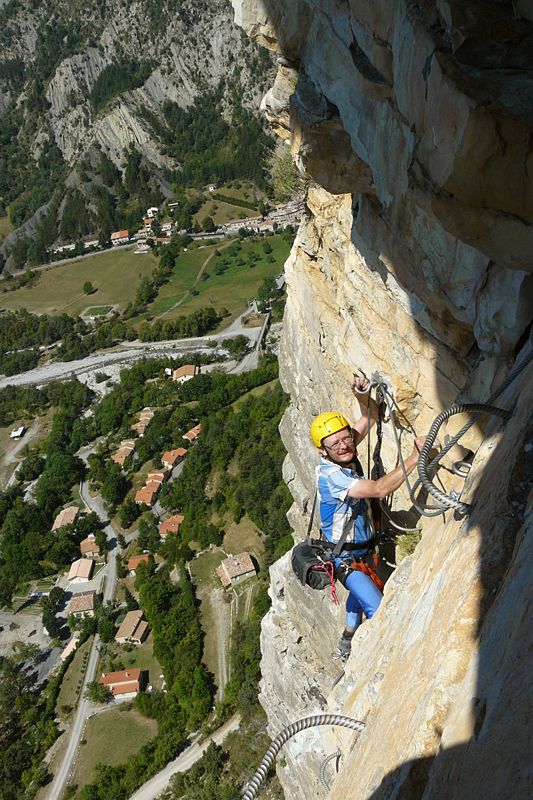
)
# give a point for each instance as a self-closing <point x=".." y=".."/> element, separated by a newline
<point x="153" y="788"/>
<point x="125" y="354"/>
<point x="85" y="707"/>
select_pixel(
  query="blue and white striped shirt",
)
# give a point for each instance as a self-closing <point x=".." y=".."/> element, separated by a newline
<point x="337" y="510"/>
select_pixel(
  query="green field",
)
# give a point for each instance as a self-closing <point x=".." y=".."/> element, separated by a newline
<point x="71" y="684"/>
<point x="98" y="311"/>
<point x="188" y="265"/>
<point x="5" y="227"/>
<point x="115" y="275"/>
<point x="231" y="290"/>
<point x="224" y="212"/>
<point x="141" y="656"/>
<point x="111" y="737"/>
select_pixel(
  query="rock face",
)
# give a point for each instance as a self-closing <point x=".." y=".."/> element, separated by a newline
<point x="190" y="48"/>
<point x="51" y="59"/>
<point x="414" y="123"/>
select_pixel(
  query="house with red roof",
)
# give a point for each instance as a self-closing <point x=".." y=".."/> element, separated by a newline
<point x="193" y="434"/>
<point x="235" y="568"/>
<point x="171" y="458"/>
<point x="185" y="373"/>
<point x="126" y="682"/>
<point x="134" y="562"/>
<point x="170" y="525"/>
<point x="147" y="494"/>
<point x="119" y="237"/>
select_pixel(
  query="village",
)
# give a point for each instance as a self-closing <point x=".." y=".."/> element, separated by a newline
<point x="158" y="228"/>
<point x="81" y="587"/>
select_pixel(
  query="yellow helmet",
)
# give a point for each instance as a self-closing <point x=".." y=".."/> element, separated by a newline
<point x="325" y="424"/>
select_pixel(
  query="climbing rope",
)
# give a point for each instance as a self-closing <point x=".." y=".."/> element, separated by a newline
<point x="250" y="792"/>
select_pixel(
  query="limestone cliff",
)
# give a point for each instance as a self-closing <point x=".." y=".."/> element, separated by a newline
<point x="413" y="121"/>
<point x="54" y="57"/>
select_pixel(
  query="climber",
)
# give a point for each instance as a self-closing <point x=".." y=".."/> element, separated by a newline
<point x="343" y="492"/>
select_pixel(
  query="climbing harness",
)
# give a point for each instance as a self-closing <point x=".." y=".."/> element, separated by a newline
<point x="313" y="563"/>
<point x="313" y="560"/>
<point x="366" y="564"/>
<point x="250" y="791"/>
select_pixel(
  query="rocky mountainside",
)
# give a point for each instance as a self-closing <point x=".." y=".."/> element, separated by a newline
<point x="414" y="122"/>
<point x="81" y="79"/>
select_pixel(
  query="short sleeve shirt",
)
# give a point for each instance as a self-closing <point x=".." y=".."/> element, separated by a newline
<point x="338" y="511"/>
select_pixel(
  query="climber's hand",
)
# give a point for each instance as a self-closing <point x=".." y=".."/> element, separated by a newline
<point x="418" y="445"/>
<point x="360" y="384"/>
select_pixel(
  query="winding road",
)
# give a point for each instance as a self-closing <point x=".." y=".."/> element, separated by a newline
<point x="153" y="788"/>
<point x="85" y="707"/>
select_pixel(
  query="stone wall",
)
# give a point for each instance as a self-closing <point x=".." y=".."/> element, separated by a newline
<point x="413" y="122"/>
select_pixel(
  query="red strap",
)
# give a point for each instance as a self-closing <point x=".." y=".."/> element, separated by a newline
<point x="329" y="569"/>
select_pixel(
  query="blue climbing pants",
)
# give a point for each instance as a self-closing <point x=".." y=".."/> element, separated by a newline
<point x="364" y="598"/>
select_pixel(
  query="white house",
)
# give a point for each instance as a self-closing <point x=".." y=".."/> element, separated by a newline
<point x="18" y="433"/>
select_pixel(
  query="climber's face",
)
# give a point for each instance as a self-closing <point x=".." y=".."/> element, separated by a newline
<point x="340" y="446"/>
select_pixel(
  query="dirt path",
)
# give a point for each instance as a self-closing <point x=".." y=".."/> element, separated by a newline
<point x="223" y="633"/>
<point x="11" y="456"/>
<point x="200" y="273"/>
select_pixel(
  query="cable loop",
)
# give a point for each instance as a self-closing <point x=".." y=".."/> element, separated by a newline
<point x="473" y="408"/>
<point x="250" y="791"/>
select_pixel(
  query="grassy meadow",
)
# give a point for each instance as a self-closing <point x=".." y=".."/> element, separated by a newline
<point x="110" y="738"/>
<point x="5" y="227"/>
<point x="232" y="289"/>
<point x="114" y="274"/>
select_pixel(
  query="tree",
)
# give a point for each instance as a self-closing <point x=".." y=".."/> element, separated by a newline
<point x="88" y="288"/>
<point x="56" y="596"/>
<point x="50" y="623"/>
<point x="284" y="176"/>
<point x="129" y="512"/>
<point x="114" y="485"/>
<point x="106" y="630"/>
<point x="97" y="692"/>
<point x="208" y="225"/>
<point x="31" y="468"/>
<point x="19" y="253"/>
<point x="131" y="602"/>
<point x="37" y="253"/>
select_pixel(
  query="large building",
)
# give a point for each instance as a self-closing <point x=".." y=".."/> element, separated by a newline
<point x="66" y="517"/>
<point x="235" y="568"/>
<point x="82" y="604"/>
<point x="193" y="434"/>
<point x="119" y="237"/>
<point x="126" y="683"/>
<point x="185" y="373"/>
<point x="81" y="570"/>
<point x="170" y="458"/>
<point x="133" y="629"/>
<point x="134" y="562"/>
<point x="147" y="494"/>
<point x="89" y="548"/>
<point x="170" y="525"/>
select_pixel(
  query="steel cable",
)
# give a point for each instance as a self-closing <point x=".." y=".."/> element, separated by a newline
<point x="323" y="766"/>
<point x="474" y="408"/>
<point x="250" y="791"/>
